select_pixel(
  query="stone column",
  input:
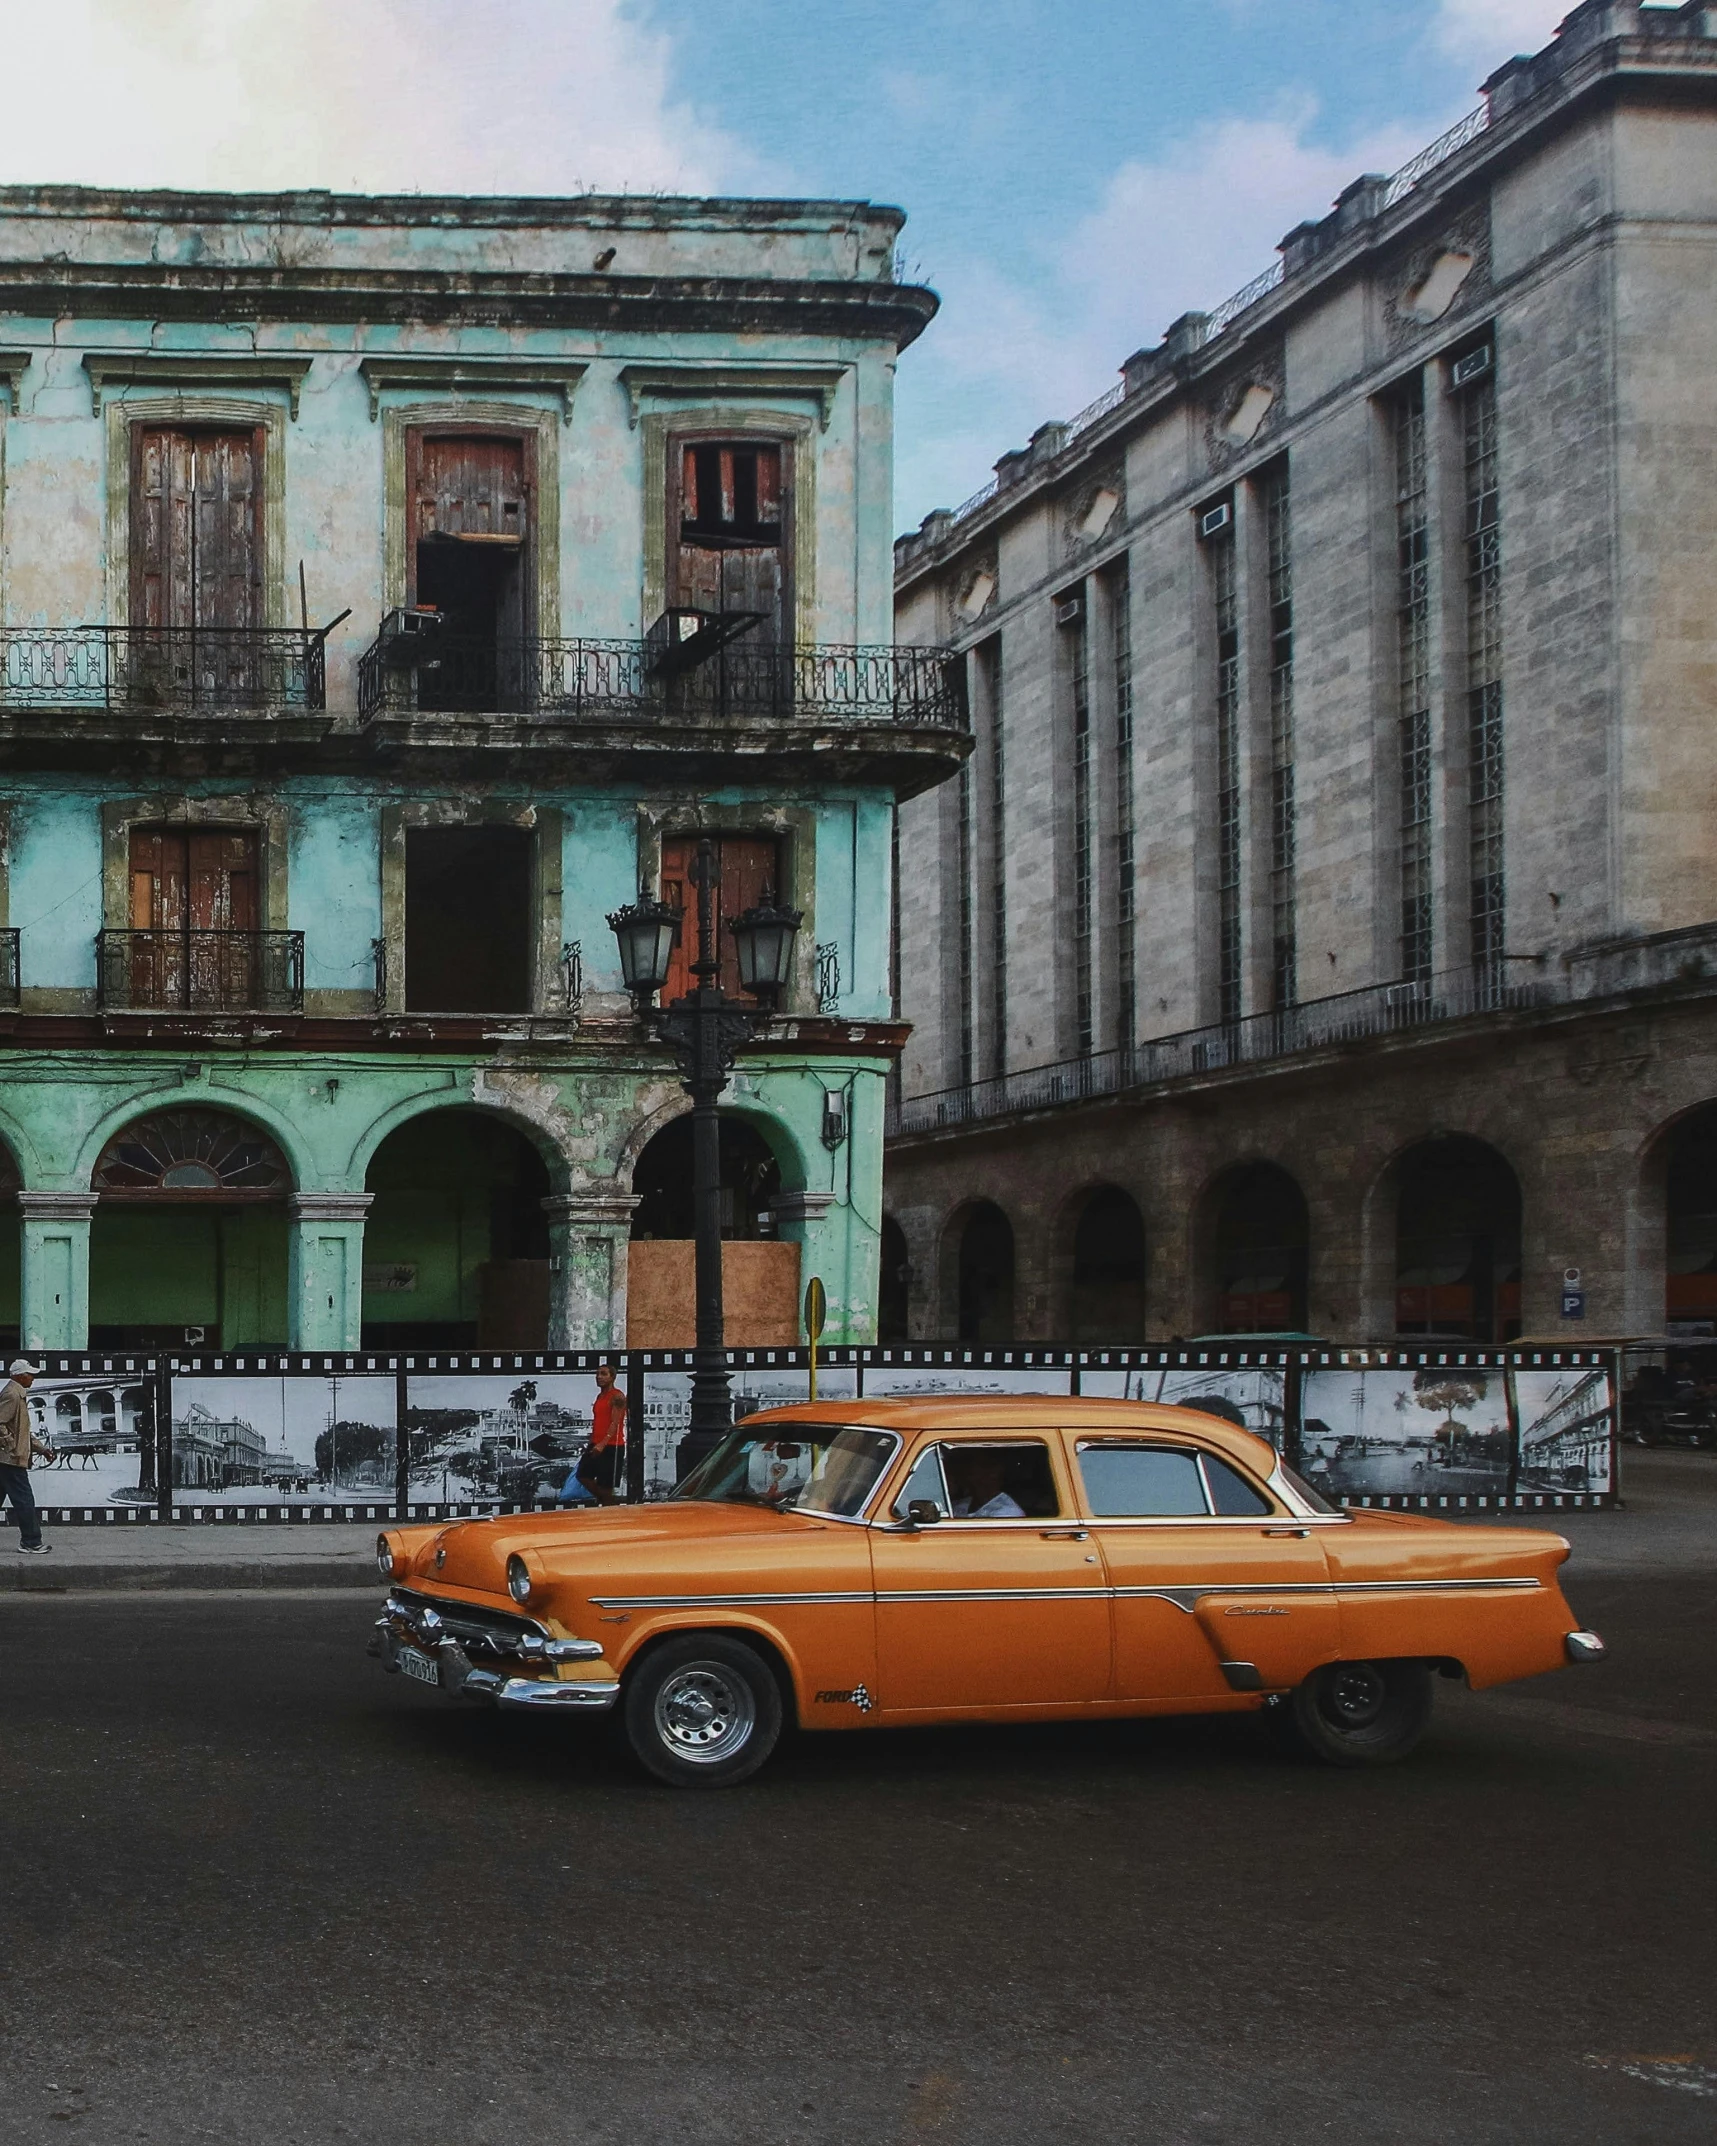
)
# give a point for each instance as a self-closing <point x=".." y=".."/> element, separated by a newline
<point x="326" y="1277"/>
<point x="55" y="1292"/>
<point x="588" y="1233"/>
<point x="799" y="1219"/>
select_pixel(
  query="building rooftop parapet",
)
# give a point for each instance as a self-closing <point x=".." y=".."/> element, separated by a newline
<point x="1614" y="33"/>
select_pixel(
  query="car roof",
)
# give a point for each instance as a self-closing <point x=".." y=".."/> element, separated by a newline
<point x="1031" y="1412"/>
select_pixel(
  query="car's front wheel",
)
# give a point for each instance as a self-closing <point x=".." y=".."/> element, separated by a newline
<point x="1359" y="1713"/>
<point x="702" y="1712"/>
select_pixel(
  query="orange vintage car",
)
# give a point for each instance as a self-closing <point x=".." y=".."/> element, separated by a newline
<point x="872" y="1563"/>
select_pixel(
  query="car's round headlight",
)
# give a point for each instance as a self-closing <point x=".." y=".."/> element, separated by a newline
<point x="518" y="1579"/>
<point x="384" y="1557"/>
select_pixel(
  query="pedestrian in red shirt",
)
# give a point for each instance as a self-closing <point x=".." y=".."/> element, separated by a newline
<point x="599" y="1470"/>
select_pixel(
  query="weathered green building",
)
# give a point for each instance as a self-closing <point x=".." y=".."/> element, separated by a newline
<point x="311" y="1027"/>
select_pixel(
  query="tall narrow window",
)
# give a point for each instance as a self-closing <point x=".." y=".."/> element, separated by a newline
<point x="1484" y="679"/>
<point x="1279" y="536"/>
<point x="1413" y="681"/>
<point x="1121" y="656"/>
<point x="990" y="666"/>
<point x="1225" y="610"/>
<point x="1070" y="614"/>
<point x="963" y="952"/>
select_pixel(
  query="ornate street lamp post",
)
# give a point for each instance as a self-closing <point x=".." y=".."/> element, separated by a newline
<point x="706" y="1032"/>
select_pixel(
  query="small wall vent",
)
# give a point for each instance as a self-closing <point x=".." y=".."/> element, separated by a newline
<point x="1069" y="610"/>
<point x="1216" y="521"/>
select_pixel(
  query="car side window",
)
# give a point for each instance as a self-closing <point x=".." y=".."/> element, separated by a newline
<point x="1004" y="1481"/>
<point x="924" y="1484"/>
<point x="1230" y="1492"/>
<point x="1141" y="1482"/>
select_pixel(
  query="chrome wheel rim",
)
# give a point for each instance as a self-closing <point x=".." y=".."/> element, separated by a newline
<point x="1354" y="1695"/>
<point x="705" y="1713"/>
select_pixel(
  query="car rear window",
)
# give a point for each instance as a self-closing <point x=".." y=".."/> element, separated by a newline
<point x="1229" y="1490"/>
<point x="1141" y="1482"/>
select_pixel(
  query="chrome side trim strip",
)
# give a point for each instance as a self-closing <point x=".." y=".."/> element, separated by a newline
<point x="1185" y="1598"/>
<point x="723" y="1601"/>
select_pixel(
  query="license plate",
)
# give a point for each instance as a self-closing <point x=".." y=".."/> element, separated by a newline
<point x="419" y="1667"/>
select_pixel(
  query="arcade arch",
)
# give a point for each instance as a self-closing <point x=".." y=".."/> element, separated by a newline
<point x="984" y="1274"/>
<point x="1457" y="1241"/>
<point x="1107" y="1299"/>
<point x="1259" y="1238"/>
<point x="1688" y="1156"/>
<point x="760" y="1271"/>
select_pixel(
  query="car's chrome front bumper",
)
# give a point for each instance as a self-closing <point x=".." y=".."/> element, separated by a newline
<point x="420" y="1628"/>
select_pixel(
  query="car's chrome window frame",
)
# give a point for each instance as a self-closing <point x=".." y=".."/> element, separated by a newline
<point x="933" y="1451"/>
<point x="1195" y="1454"/>
<point x="1293" y="1507"/>
<point x="1045" y="1439"/>
<point x="862" y="1517"/>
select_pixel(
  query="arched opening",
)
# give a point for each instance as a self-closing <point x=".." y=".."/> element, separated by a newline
<point x="11" y="1255"/>
<point x="1690" y="1204"/>
<point x="456" y="1244"/>
<point x="1457" y="1242"/>
<point x="1108" y="1269"/>
<point x="986" y="1275"/>
<point x="760" y="1276"/>
<point x="894" y="1285"/>
<point x="188" y="1242"/>
<point x="1259" y="1250"/>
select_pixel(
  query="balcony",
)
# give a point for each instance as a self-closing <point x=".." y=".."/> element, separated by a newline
<point x="423" y="672"/>
<point x="121" y="668"/>
<point x="199" y="971"/>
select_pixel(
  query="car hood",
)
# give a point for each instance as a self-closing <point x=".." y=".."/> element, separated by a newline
<point x="474" y="1553"/>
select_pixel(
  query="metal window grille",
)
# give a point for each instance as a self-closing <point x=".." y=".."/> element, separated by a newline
<point x="990" y="656"/>
<point x="1121" y="655"/>
<point x="1283" y="949"/>
<point x="1413" y="681"/>
<point x="1084" y="873"/>
<point x="1484" y="680"/>
<point x="1225" y="594"/>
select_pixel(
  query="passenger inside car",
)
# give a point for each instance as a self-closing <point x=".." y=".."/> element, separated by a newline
<point x="1000" y="1482"/>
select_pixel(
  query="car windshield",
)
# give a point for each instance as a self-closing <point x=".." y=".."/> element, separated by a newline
<point x="809" y="1468"/>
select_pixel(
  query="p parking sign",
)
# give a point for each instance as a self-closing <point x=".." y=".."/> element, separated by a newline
<point x="1573" y="1296"/>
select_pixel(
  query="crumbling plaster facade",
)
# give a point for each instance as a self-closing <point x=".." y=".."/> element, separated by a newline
<point x="592" y="329"/>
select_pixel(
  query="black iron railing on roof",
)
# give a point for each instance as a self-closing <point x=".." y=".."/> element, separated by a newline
<point x="1348" y="1017"/>
<point x="604" y="680"/>
<point x="143" y="667"/>
<point x="201" y="971"/>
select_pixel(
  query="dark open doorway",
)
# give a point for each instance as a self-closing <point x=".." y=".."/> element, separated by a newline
<point x="468" y="920"/>
<point x="471" y="551"/>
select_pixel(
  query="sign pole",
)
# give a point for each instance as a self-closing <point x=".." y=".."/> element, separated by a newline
<point x="816" y="1317"/>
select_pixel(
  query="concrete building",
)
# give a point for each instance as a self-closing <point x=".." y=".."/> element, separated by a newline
<point x="311" y="1023"/>
<point x="1324" y="934"/>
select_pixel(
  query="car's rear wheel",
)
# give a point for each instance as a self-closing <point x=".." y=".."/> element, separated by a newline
<point x="1359" y="1713"/>
<point x="702" y="1712"/>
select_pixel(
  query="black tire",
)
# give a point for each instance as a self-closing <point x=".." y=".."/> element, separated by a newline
<point x="1359" y="1713"/>
<point x="702" y="1712"/>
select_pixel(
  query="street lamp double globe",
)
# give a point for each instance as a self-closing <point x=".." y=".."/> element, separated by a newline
<point x="706" y="1030"/>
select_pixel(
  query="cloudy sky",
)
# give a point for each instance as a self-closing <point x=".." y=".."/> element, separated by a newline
<point x="1076" y="175"/>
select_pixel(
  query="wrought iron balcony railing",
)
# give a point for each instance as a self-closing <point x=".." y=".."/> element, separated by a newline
<point x="1318" y="1024"/>
<point x="8" y="969"/>
<point x="201" y="971"/>
<point x="608" y="680"/>
<point x="168" y="667"/>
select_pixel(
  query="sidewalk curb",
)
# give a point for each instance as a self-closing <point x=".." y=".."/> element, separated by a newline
<point x="78" y="1579"/>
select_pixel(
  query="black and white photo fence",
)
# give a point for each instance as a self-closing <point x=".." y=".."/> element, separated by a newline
<point x="276" y="1436"/>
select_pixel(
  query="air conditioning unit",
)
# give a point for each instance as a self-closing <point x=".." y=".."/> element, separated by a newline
<point x="1472" y="367"/>
<point x="1214" y="520"/>
<point x="1069" y="610"/>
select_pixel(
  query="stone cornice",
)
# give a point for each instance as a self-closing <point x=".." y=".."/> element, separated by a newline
<point x="455" y="375"/>
<point x="110" y="369"/>
<point x="329" y="1206"/>
<point x="891" y="313"/>
<point x="717" y="377"/>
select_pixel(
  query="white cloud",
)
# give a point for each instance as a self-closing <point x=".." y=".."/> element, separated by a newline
<point x="1169" y="235"/>
<point x="482" y="96"/>
<point x="1488" y="32"/>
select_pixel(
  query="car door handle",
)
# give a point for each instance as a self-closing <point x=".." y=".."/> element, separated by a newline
<point x="1063" y="1534"/>
<point x="1287" y="1531"/>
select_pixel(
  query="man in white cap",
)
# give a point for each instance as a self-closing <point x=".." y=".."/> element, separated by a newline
<point x="19" y="1446"/>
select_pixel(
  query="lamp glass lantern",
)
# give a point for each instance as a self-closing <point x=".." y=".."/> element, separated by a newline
<point x="646" y="931"/>
<point x="763" y="941"/>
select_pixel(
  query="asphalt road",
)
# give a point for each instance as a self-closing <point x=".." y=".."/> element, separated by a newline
<point x="255" y="1891"/>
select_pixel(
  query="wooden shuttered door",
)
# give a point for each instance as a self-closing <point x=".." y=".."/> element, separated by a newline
<point x="187" y="882"/>
<point x="196" y="527"/>
<point x="730" y="526"/>
<point x="750" y="867"/>
<point x="471" y="528"/>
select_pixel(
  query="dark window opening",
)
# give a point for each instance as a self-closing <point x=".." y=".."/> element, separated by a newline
<point x="1261" y="1244"/>
<point x="894" y="1285"/>
<point x="1109" y="1270"/>
<point x="1457" y="1242"/>
<point x="750" y="1180"/>
<point x="470" y="519"/>
<point x="467" y="920"/>
<point x="1690" y="1301"/>
<point x="987" y="1276"/>
<point x="730" y="494"/>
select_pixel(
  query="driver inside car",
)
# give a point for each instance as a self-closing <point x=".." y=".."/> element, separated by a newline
<point x="975" y="1482"/>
